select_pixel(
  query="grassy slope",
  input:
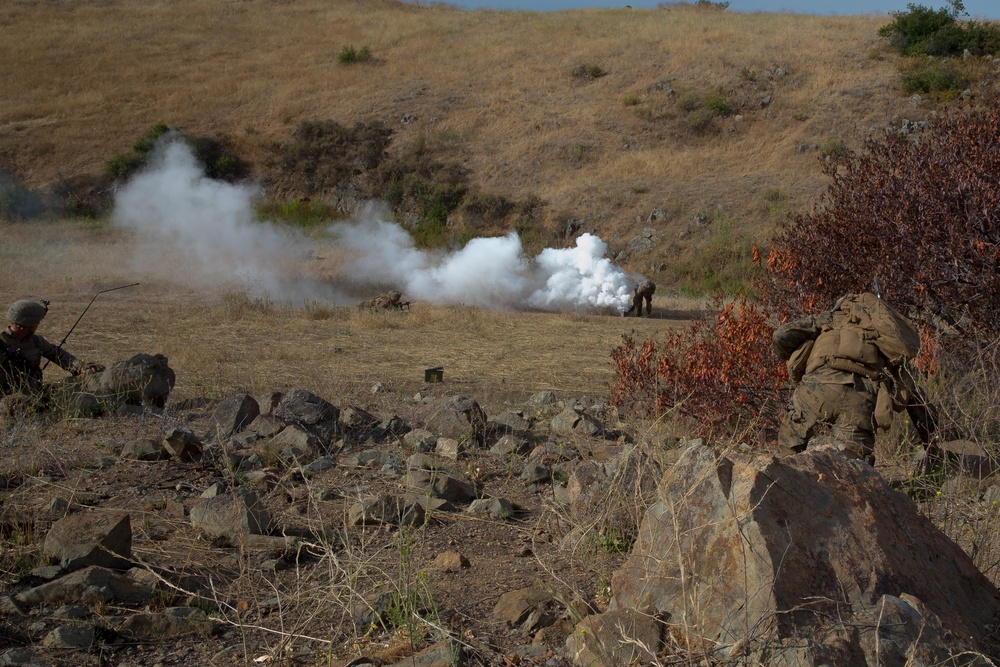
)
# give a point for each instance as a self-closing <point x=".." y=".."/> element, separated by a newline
<point x="493" y="90"/>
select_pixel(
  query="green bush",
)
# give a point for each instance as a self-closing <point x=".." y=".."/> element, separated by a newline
<point x="937" y="32"/>
<point x="833" y="149"/>
<point x="122" y="166"/>
<point x="489" y="206"/>
<point x="700" y="120"/>
<point x="588" y="71"/>
<point x="349" y="55"/>
<point x="324" y="154"/>
<point x="712" y="5"/>
<point x="213" y="154"/>
<point x="17" y="201"/>
<point x="689" y="101"/>
<point x="932" y="75"/>
<point x="301" y="212"/>
<point x="719" y="103"/>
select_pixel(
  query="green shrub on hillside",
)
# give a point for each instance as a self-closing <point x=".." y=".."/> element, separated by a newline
<point x="588" y="71"/>
<point x="17" y="201"/>
<point x="833" y="149"/>
<point x="349" y="55"/>
<point x="937" y="32"/>
<point x="325" y="154"/>
<point x="710" y="4"/>
<point x="720" y="103"/>
<point x="931" y="75"/>
<point x="700" y="120"/>
<point x="213" y="154"/>
<point x="489" y="207"/>
<point x="300" y="211"/>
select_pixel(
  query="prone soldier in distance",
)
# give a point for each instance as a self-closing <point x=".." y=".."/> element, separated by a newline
<point x="392" y="300"/>
<point x="643" y="292"/>
<point x="22" y="350"/>
<point x="850" y="372"/>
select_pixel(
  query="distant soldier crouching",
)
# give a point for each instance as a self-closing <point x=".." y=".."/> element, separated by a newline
<point x="389" y="301"/>
<point x="642" y="291"/>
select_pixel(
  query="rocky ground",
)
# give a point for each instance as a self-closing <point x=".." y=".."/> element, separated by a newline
<point x="283" y="529"/>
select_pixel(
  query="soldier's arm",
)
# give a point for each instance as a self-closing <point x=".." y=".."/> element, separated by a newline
<point x="910" y="397"/>
<point x="61" y="357"/>
<point x="790" y="336"/>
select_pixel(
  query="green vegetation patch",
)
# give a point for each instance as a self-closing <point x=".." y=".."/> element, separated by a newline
<point x="922" y="31"/>
<point x="214" y="154"/>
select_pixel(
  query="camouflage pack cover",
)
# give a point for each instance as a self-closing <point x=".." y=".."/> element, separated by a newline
<point x="895" y="335"/>
<point x="145" y="379"/>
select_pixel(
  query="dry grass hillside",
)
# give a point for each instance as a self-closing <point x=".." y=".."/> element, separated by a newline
<point x="500" y="93"/>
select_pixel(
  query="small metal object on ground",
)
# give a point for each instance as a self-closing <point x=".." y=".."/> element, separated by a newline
<point x="435" y="374"/>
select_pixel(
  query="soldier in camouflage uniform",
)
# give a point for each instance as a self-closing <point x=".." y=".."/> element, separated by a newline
<point x="849" y="368"/>
<point x="21" y="351"/>
<point x="642" y="292"/>
<point x="389" y="301"/>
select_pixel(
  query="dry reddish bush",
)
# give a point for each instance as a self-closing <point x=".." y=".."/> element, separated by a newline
<point x="720" y="372"/>
<point x="921" y="213"/>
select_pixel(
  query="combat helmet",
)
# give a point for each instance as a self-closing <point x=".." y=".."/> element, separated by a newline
<point x="26" y="313"/>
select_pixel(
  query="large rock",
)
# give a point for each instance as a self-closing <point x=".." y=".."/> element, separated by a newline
<point x="232" y="515"/>
<point x="92" y="585"/>
<point x="231" y="416"/>
<point x="798" y="561"/>
<point x="439" y="485"/>
<point x="457" y="417"/>
<point x="81" y="540"/>
<point x="309" y="412"/>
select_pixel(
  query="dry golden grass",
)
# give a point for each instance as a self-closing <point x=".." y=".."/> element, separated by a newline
<point x="84" y="80"/>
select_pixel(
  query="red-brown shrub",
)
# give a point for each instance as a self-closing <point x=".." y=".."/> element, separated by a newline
<point x="720" y="372"/>
<point x="920" y="213"/>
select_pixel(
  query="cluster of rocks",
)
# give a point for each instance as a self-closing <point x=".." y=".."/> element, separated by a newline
<point x="273" y="441"/>
<point x="726" y="564"/>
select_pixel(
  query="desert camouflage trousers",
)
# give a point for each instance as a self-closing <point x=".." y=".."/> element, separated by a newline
<point x="844" y="411"/>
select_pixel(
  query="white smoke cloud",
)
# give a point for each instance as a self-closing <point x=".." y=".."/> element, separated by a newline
<point x="201" y="232"/>
<point x="489" y="272"/>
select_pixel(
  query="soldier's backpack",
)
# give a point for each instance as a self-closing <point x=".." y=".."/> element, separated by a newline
<point x="145" y="379"/>
<point x="895" y="335"/>
<point x="863" y="335"/>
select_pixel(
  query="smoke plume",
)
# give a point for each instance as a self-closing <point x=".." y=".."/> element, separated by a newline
<point x="203" y="233"/>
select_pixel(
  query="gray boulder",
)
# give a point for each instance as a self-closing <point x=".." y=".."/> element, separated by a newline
<point x="439" y="485"/>
<point x="797" y="561"/>
<point x="457" y="417"/>
<point x="231" y="416"/>
<point x="81" y="540"/>
<point x="231" y="515"/>
<point x="386" y="510"/>
<point x="182" y="444"/>
<point x="91" y="585"/>
<point x="309" y="412"/>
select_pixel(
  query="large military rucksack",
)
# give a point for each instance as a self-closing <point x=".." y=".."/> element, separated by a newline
<point x="145" y="379"/>
<point x="864" y="333"/>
